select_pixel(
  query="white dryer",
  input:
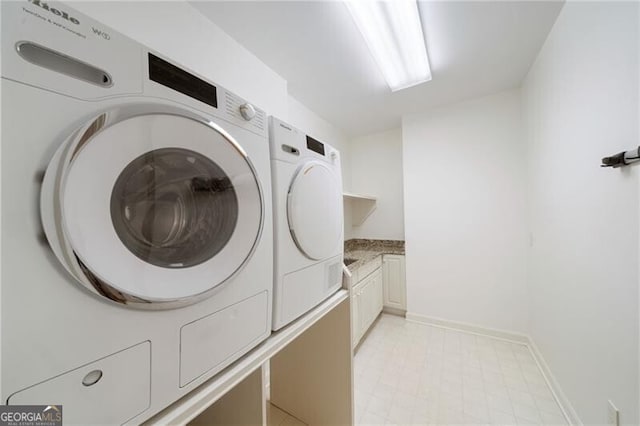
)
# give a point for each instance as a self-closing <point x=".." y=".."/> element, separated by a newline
<point x="136" y="221"/>
<point x="308" y="221"/>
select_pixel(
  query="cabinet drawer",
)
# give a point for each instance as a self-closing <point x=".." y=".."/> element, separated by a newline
<point x="109" y="391"/>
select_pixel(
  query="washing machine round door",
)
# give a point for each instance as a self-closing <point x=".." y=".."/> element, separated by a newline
<point x="152" y="207"/>
<point x="314" y="210"/>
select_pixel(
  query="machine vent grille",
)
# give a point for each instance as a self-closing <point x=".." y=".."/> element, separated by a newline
<point x="334" y="274"/>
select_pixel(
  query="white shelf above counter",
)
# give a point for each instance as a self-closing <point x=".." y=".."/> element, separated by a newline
<point x="362" y="197"/>
<point x="361" y="206"/>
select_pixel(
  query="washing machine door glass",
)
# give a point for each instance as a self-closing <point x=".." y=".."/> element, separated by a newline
<point x="174" y="207"/>
<point x="152" y="208"/>
<point x="314" y="210"/>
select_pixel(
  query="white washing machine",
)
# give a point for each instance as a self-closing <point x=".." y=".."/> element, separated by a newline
<point x="136" y="221"/>
<point x="308" y="221"/>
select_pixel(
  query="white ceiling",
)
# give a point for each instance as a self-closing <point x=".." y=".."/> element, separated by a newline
<point x="475" y="48"/>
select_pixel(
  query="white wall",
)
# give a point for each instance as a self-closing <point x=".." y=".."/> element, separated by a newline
<point x="581" y="104"/>
<point x="464" y="204"/>
<point x="376" y="169"/>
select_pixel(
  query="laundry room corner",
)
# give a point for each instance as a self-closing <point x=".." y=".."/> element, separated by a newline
<point x="320" y="213"/>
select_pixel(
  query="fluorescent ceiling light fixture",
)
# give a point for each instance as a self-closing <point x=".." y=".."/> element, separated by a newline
<point x="393" y="32"/>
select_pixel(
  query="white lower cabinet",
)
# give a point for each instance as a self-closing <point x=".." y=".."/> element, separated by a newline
<point x="378" y="283"/>
<point x="367" y="304"/>
<point x="395" y="293"/>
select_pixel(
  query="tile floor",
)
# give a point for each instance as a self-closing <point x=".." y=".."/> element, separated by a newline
<point x="277" y="417"/>
<point x="415" y="374"/>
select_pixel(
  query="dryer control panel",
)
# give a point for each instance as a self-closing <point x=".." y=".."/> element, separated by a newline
<point x="315" y="145"/>
<point x="292" y="145"/>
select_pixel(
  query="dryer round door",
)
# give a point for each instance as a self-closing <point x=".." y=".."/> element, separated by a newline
<point x="152" y="206"/>
<point x="314" y="210"/>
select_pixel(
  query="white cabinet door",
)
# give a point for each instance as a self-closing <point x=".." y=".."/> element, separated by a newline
<point x="364" y="307"/>
<point x="367" y="304"/>
<point x="371" y="299"/>
<point x="377" y="294"/>
<point x="355" y="316"/>
<point x="359" y="312"/>
<point x="395" y="294"/>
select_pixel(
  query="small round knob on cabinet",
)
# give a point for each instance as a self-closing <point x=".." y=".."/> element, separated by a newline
<point x="248" y="111"/>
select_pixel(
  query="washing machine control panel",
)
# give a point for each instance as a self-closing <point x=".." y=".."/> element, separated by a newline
<point x="210" y="98"/>
<point x="173" y="77"/>
<point x="244" y="114"/>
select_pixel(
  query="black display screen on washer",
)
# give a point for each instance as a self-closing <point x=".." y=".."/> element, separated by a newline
<point x="178" y="79"/>
<point x="315" y="146"/>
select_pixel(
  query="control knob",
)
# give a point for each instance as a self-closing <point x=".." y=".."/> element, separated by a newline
<point x="247" y="111"/>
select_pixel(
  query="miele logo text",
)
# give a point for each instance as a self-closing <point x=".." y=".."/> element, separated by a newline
<point x="60" y="13"/>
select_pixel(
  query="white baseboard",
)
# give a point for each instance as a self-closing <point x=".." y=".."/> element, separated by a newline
<point x="562" y="400"/>
<point x="470" y="328"/>
<point x="394" y="311"/>
<point x="523" y="339"/>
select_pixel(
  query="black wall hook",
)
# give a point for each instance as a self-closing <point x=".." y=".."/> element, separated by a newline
<point x="622" y="159"/>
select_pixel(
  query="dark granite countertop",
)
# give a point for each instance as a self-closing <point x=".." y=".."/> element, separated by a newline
<point x="365" y="250"/>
